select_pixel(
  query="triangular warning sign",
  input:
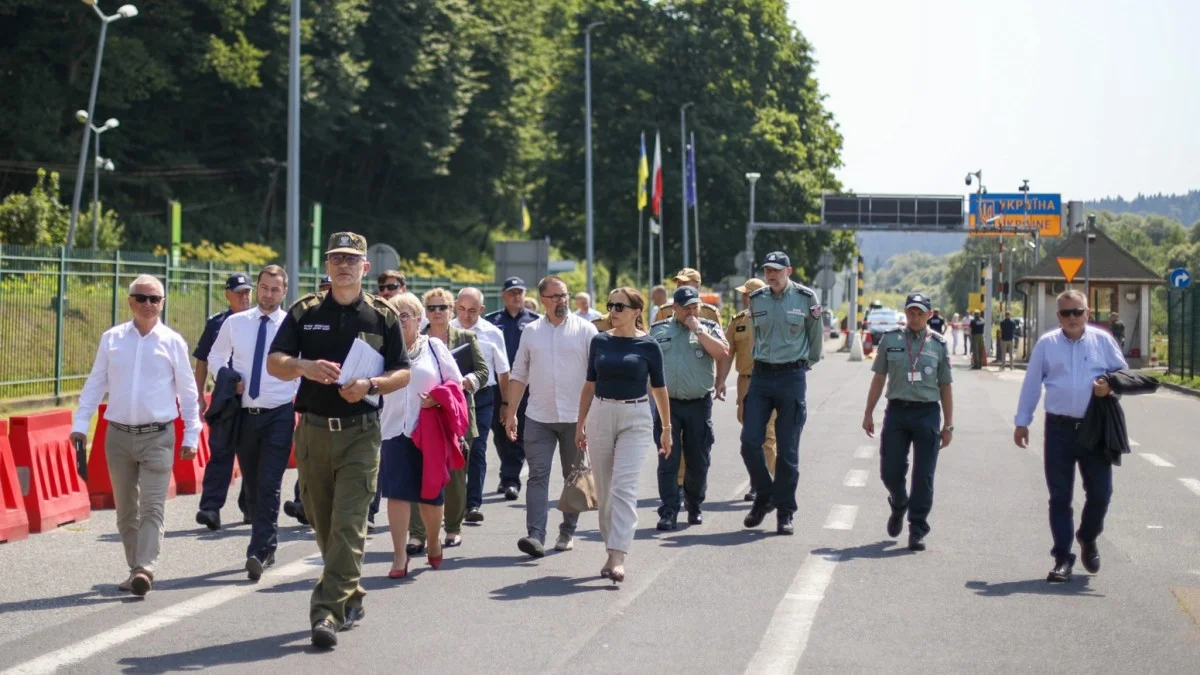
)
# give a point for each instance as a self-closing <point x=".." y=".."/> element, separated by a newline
<point x="1070" y="267"/>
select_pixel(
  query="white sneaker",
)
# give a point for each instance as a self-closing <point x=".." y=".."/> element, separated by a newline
<point x="565" y="542"/>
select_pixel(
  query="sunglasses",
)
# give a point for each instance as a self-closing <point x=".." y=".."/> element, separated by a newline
<point x="344" y="258"/>
<point x="1076" y="312"/>
<point x="389" y="287"/>
<point x="437" y="308"/>
<point x="142" y="298"/>
<point x="618" y="307"/>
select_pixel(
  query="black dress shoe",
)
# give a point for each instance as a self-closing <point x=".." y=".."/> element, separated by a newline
<point x="1089" y="554"/>
<point x="324" y="635"/>
<point x="511" y="493"/>
<point x="695" y="517"/>
<point x="246" y="519"/>
<point x="916" y="542"/>
<point x="296" y="510"/>
<point x="353" y="616"/>
<point x="474" y="515"/>
<point x="254" y="568"/>
<point x="1061" y="572"/>
<point x="783" y="524"/>
<point x="209" y="519"/>
<point x="895" y="523"/>
<point x="751" y="495"/>
<point x="414" y="549"/>
<point x="667" y="522"/>
<point x="758" y="512"/>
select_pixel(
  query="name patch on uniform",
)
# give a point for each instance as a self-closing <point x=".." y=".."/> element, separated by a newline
<point x="316" y="326"/>
<point x="797" y="312"/>
<point x="762" y="313"/>
<point x="895" y="349"/>
<point x="664" y="339"/>
<point x="740" y="329"/>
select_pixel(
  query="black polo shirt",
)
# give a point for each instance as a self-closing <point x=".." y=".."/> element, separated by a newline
<point x="318" y="328"/>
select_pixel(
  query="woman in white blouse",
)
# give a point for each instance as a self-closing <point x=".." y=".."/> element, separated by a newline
<point x="400" y="462"/>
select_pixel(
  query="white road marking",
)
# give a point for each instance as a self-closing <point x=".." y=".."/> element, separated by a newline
<point x="1153" y="458"/>
<point x="841" y="517"/>
<point x="855" y="478"/>
<point x="864" y="452"/>
<point x="1154" y="527"/>
<point x="136" y="628"/>
<point x="786" y="638"/>
<point x="1134" y="444"/>
<point x="1191" y="484"/>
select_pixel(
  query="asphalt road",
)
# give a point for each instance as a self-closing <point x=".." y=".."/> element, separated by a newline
<point x="840" y="596"/>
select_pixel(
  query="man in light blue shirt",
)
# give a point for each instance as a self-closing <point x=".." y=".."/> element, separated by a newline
<point x="1070" y="362"/>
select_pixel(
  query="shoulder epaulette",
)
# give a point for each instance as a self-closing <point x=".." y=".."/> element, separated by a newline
<point x="742" y="314"/>
<point x="709" y="322"/>
<point x="214" y="315"/>
<point x="804" y="289"/>
<point x="661" y="322"/>
<point x="764" y="289"/>
<point x="896" y="331"/>
<point x="938" y="336"/>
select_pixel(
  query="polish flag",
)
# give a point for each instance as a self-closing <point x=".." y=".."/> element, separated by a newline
<point x="656" y="189"/>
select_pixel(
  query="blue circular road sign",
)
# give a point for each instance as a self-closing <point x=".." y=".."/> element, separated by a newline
<point x="1180" y="278"/>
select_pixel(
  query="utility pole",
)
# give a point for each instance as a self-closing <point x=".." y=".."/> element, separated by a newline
<point x="587" y="134"/>
<point x="293" y="160"/>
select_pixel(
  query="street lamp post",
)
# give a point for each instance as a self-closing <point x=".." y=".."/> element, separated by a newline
<point x="112" y="123"/>
<point x="683" y="174"/>
<point x="293" y="155"/>
<point x="124" y="12"/>
<point x="1087" y="257"/>
<point x="587" y="134"/>
<point x="753" y="178"/>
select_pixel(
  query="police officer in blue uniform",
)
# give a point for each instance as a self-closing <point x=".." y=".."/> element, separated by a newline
<point x="219" y="470"/>
<point x="787" y="343"/>
<point x="915" y="363"/>
<point x="511" y="320"/>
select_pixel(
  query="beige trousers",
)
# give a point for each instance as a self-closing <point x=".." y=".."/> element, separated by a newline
<point x="743" y="385"/>
<point x="140" y="468"/>
<point x="619" y="438"/>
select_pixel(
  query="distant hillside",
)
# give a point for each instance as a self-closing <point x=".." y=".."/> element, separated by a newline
<point x="1184" y="208"/>
<point x="880" y="247"/>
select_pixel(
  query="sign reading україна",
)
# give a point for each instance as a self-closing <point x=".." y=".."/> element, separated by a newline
<point x="1005" y="213"/>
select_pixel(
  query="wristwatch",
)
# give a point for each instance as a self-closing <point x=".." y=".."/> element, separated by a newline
<point x="699" y="330"/>
<point x="373" y="389"/>
<point x="948" y="427"/>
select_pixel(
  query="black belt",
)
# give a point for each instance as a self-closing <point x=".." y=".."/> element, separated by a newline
<point x="339" y="423"/>
<point x="619" y="400"/>
<point x="917" y="405"/>
<point x="1052" y="418"/>
<point x="763" y="366"/>
<point x="152" y="428"/>
<point x="692" y="400"/>
<point x="262" y="411"/>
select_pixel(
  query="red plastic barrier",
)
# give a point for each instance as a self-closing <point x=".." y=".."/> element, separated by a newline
<point x="14" y="524"/>
<point x="56" y="495"/>
<point x="189" y="473"/>
<point x="100" y="490"/>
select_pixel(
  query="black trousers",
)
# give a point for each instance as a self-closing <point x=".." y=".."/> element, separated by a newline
<point x="691" y="439"/>
<point x="263" y="452"/>
<point x="919" y="427"/>
<point x="218" y="473"/>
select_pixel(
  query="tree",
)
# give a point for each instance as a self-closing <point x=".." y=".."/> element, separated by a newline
<point x="41" y="219"/>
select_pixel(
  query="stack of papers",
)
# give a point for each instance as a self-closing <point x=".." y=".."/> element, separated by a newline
<point x="362" y="362"/>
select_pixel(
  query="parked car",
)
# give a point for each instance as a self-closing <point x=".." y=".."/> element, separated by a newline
<point x="829" y="323"/>
<point x="879" y="321"/>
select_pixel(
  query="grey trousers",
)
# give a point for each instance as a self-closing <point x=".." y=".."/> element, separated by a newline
<point x="140" y="468"/>
<point x="540" y="441"/>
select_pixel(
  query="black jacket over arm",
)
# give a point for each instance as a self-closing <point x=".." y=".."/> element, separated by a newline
<point x="224" y="423"/>
<point x="1103" y="430"/>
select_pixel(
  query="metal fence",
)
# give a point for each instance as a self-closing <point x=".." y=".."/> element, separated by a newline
<point x="55" y="302"/>
<point x="1183" y="332"/>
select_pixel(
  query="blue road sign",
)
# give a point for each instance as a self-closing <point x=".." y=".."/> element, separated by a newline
<point x="1180" y="278"/>
<point x="1000" y="212"/>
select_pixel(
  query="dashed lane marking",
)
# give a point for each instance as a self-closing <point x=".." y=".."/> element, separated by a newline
<point x="786" y="638"/>
<point x="864" y="452"/>
<point x="1191" y="484"/>
<point x="1153" y="458"/>
<point x="855" y="478"/>
<point x="841" y="517"/>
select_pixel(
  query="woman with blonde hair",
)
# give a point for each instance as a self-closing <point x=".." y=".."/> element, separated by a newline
<point x="401" y="463"/>
<point x="616" y="426"/>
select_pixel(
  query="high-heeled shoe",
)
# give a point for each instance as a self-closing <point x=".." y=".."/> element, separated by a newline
<point x="617" y="576"/>
<point x="605" y="573"/>
<point x="435" y="561"/>
<point x="399" y="574"/>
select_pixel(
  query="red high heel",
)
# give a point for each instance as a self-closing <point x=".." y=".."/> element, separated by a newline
<point x="435" y="561"/>
<point x="399" y="574"/>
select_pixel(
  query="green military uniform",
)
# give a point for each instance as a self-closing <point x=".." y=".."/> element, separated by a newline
<point x="690" y="376"/>
<point x="337" y="442"/>
<point x="916" y="365"/>
<point x="787" y="328"/>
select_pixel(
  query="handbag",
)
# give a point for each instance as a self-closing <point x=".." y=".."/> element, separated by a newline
<point x="579" y="490"/>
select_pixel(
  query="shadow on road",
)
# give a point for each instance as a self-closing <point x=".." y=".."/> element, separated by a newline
<point x="1078" y="586"/>
<point x="100" y="594"/>
<point x="201" y="533"/>
<point x="551" y="587"/>
<point x="878" y="550"/>
<point x="245" y="652"/>
<point x="735" y="538"/>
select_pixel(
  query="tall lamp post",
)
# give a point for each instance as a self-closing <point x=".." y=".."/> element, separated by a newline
<point x="107" y="165"/>
<point x="125" y="12"/>
<point x="293" y="155"/>
<point x="753" y="178"/>
<point x="683" y="173"/>
<point x="587" y="135"/>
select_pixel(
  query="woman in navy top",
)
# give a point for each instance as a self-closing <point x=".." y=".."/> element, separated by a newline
<point x="617" y="429"/>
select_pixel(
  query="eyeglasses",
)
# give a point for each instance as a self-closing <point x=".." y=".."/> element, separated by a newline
<point x="344" y="258"/>
<point x="1075" y="312"/>
<point x="389" y="287"/>
<point x="618" y="307"/>
<point x="561" y="297"/>
<point x="437" y="308"/>
<point x="142" y="298"/>
<point x="404" y="316"/>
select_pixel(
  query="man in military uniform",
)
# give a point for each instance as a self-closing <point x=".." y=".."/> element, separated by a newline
<point x="338" y="438"/>
<point x="295" y="508"/>
<point x="787" y="342"/>
<point x="512" y="321"/>
<point x="219" y="471"/>
<point x="688" y="277"/>
<point x="915" y="363"/>
<point x="739" y="335"/>
<point x="692" y="347"/>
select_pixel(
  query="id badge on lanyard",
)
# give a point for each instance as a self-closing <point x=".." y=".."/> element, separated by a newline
<point x="914" y="375"/>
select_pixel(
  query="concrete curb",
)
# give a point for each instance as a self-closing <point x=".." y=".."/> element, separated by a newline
<point x="1180" y="389"/>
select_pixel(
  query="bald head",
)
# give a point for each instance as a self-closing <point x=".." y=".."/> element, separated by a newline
<point x="469" y="307"/>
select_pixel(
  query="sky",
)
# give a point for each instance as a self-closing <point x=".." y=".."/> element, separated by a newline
<point x="1087" y="98"/>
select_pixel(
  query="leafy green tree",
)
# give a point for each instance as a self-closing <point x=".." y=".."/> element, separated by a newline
<point x="40" y="218"/>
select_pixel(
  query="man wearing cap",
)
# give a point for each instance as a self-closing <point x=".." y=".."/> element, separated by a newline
<point x="740" y="337"/>
<point x="325" y="285"/>
<point x="219" y="471"/>
<point x="512" y="321"/>
<point x="338" y="438"/>
<point x="915" y="363"/>
<point x="688" y="277"/>
<point x="692" y="347"/>
<point x="787" y="342"/>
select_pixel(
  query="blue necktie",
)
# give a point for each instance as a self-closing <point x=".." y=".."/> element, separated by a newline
<point x="260" y="346"/>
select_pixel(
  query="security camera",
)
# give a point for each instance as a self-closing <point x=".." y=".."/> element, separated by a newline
<point x="968" y="180"/>
<point x="81" y="116"/>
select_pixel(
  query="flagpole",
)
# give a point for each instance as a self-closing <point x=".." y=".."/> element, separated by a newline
<point x="695" y="197"/>
<point x="638" y="279"/>
<point x="683" y="178"/>
<point x="650" y="257"/>
<point x="662" y="265"/>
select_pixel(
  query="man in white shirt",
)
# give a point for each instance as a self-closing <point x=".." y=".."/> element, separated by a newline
<point x="143" y="366"/>
<point x="584" y="309"/>
<point x="1070" y="362"/>
<point x="267" y="415"/>
<point x="469" y="309"/>
<point x="552" y="362"/>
